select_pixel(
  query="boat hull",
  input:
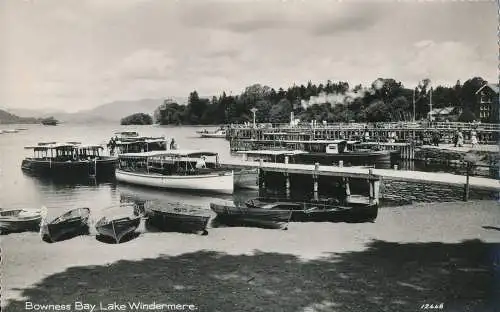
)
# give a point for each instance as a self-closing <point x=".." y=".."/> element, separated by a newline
<point x="234" y="215"/>
<point x="246" y="179"/>
<point x="355" y="212"/>
<point x="103" y="168"/>
<point x="220" y="182"/>
<point x="350" y="158"/>
<point x="76" y="223"/>
<point x="213" y="135"/>
<point x="26" y="221"/>
<point x="169" y="221"/>
<point x="117" y="229"/>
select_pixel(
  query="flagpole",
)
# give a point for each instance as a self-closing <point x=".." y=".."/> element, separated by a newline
<point x="430" y="103"/>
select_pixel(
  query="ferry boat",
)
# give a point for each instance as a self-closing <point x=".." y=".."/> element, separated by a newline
<point x="131" y="142"/>
<point x="219" y="133"/>
<point x="51" y="121"/>
<point x="175" y="169"/>
<point x="324" y="152"/>
<point x="71" y="159"/>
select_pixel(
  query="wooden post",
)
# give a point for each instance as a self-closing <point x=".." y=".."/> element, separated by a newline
<point x="286" y="159"/>
<point x="467" y="186"/>
<point x="287" y="185"/>
<point x="262" y="183"/>
<point x="370" y="182"/>
<point x="347" y="188"/>
<point x="341" y="163"/>
<point x="315" y="179"/>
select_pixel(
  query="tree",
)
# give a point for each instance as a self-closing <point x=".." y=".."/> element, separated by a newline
<point x="137" y="119"/>
<point x="280" y="112"/>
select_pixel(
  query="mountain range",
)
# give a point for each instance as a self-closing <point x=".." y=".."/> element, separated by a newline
<point x="106" y="113"/>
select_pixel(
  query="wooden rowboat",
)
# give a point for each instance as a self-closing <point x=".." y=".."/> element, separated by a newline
<point x="117" y="228"/>
<point x="72" y="223"/>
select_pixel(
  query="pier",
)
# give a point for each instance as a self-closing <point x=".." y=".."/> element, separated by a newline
<point x="379" y="132"/>
<point x="372" y="175"/>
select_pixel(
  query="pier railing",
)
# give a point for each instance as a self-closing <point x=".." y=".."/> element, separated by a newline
<point x="376" y="125"/>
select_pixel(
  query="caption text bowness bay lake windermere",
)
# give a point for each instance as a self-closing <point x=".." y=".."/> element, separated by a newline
<point x="113" y="306"/>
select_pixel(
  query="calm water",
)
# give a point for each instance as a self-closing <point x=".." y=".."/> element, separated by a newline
<point x="18" y="190"/>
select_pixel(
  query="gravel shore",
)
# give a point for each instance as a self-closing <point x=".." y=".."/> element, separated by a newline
<point x="411" y="256"/>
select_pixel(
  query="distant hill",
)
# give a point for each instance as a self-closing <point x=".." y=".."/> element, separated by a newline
<point x="8" y="118"/>
<point x="106" y="113"/>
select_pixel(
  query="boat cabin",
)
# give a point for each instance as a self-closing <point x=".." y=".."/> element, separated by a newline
<point x="341" y="146"/>
<point x="65" y="151"/>
<point x="172" y="162"/>
<point x="141" y="145"/>
<point x="276" y="156"/>
<point x="126" y="134"/>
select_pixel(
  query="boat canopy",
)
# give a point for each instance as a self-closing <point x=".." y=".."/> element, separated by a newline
<point x="127" y="133"/>
<point x="68" y="145"/>
<point x="170" y="153"/>
<point x="142" y="140"/>
<point x="90" y="146"/>
<point x="272" y="152"/>
<point x="50" y="146"/>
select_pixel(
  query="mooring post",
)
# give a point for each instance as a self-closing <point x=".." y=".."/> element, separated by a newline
<point x="315" y="179"/>
<point x="347" y="188"/>
<point x="370" y="182"/>
<point x="341" y="163"/>
<point x="286" y="159"/>
<point x="467" y="186"/>
<point x="287" y="184"/>
<point x="262" y="183"/>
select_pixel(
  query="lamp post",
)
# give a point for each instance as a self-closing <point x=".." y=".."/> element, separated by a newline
<point x="254" y="110"/>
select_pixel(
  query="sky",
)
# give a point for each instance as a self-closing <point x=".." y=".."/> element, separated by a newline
<point x="78" y="54"/>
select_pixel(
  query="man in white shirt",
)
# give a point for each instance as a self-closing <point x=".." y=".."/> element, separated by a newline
<point x="200" y="164"/>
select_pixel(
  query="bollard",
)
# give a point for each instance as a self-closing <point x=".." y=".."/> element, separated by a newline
<point x="286" y="159"/>
<point x="341" y="163"/>
<point x="395" y="167"/>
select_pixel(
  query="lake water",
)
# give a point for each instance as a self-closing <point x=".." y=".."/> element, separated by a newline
<point x="18" y="190"/>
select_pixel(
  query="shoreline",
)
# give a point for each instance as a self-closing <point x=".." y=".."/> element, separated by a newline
<point x="435" y="234"/>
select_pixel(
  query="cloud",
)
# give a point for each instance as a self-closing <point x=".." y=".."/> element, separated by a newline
<point x="145" y="64"/>
<point x="90" y="51"/>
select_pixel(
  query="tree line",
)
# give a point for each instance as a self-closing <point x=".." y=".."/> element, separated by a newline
<point x="384" y="100"/>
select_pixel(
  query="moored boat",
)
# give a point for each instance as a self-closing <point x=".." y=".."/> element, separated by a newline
<point x="68" y="160"/>
<point x="178" y="218"/>
<point x="324" y="152"/>
<point x="19" y="220"/>
<point x="72" y="223"/>
<point x="232" y="214"/>
<point x="331" y="210"/>
<point x="50" y="121"/>
<point x="175" y="169"/>
<point x="132" y="142"/>
<point x="117" y="228"/>
<point x="219" y="133"/>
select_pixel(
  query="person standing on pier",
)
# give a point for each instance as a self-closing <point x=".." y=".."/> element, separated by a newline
<point x="173" y="145"/>
<point x="460" y="138"/>
<point x="473" y="139"/>
<point x="436" y="138"/>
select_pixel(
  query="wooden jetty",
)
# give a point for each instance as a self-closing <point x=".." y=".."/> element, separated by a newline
<point x="372" y="175"/>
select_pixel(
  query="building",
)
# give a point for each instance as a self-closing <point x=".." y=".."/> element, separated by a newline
<point x="487" y="103"/>
<point x="449" y="113"/>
